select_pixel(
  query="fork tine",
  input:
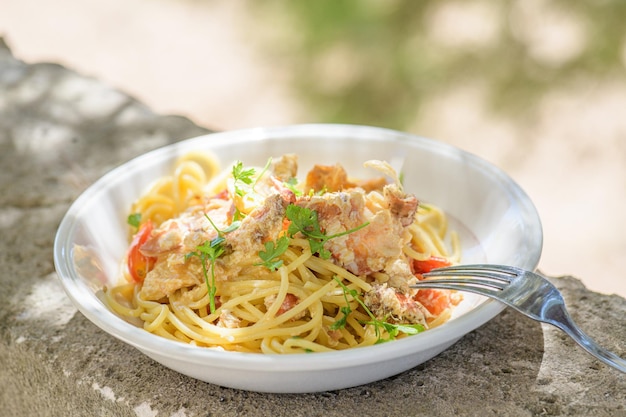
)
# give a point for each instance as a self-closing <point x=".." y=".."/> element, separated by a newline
<point x="438" y="284"/>
<point x="505" y="269"/>
<point x="495" y="272"/>
<point x="457" y="280"/>
<point x="486" y="275"/>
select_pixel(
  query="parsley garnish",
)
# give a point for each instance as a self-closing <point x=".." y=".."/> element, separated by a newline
<point x="341" y="322"/>
<point x="305" y="221"/>
<point x="244" y="181"/>
<point x="392" y="329"/>
<point x="241" y="175"/>
<point x="134" y="219"/>
<point x="220" y="233"/>
<point x="209" y="251"/>
<point x="272" y="252"/>
<point x="346" y="310"/>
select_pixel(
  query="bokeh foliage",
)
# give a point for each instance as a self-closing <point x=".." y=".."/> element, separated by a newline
<point x="375" y="62"/>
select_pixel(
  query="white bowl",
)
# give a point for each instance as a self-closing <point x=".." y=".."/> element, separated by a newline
<point x="495" y="218"/>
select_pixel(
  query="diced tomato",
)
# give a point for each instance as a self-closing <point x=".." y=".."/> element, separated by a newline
<point x="138" y="264"/>
<point x="435" y="301"/>
<point x="434" y="262"/>
<point x="289" y="302"/>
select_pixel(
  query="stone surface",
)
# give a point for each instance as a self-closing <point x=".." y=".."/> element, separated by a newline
<point x="60" y="131"/>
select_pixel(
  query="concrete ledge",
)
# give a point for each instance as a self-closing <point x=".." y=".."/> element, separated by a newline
<point x="60" y="131"/>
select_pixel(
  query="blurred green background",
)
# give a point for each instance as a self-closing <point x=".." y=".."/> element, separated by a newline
<point x="378" y="62"/>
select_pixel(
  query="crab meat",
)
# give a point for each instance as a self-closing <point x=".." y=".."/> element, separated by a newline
<point x="285" y="167"/>
<point x="185" y="232"/>
<point x="372" y="248"/>
<point x="389" y="304"/>
<point x="402" y="206"/>
<point x="332" y="178"/>
<point x="264" y="224"/>
<point x="228" y="320"/>
<point x="174" y="239"/>
<point x="329" y="178"/>
<point x="169" y="275"/>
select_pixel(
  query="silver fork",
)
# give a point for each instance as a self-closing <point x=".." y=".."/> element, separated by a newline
<point x="527" y="292"/>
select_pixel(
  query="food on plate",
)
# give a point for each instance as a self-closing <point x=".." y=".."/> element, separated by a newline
<point x="258" y="259"/>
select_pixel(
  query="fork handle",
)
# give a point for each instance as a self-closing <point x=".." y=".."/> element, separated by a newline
<point x="564" y="322"/>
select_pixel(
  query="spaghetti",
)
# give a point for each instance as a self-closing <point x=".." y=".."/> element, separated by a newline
<point x="252" y="260"/>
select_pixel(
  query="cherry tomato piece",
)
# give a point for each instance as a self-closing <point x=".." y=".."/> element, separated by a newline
<point x="435" y="301"/>
<point x="138" y="264"/>
<point x="434" y="262"/>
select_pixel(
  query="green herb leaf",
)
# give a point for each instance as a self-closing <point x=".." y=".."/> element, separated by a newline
<point x="134" y="219"/>
<point x="317" y="246"/>
<point x="341" y="323"/>
<point x="272" y="252"/>
<point x="305" y="221"/>
<point x="410" y="328"/>
<point x="241" y="175"/>
<point x="209" y="251"/>
<point x="238" y="215"/>
<point x="345" y="310"/>
<point x="233" y="226"/>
